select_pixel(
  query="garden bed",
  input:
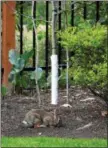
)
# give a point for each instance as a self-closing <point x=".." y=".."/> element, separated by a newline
<point x="82" y="120"/>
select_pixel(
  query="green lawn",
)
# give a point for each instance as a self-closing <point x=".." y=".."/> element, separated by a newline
<point x="51" y="142"/>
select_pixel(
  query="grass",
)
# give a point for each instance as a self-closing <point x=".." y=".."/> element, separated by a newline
<point x="51" y="142"/>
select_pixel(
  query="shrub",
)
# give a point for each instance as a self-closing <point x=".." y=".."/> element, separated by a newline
<point x="89" y="64"/>
<point x="18" y="63"/>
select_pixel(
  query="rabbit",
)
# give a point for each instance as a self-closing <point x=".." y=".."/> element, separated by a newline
<point x="51" y="119"/>
<point x="42" y="118"/>
<point x="30" y="119"/>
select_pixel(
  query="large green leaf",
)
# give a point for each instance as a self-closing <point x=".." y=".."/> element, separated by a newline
<point x="37" y="73"/>
<point x="27" y="55"/>
<point x="19" y="65"/>
<point x="13" y="56"/>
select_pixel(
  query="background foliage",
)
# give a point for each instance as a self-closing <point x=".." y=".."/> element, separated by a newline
<point x="86" y="42"/>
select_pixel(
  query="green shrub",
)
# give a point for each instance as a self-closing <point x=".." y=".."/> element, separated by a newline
<point x="89" y="64"/>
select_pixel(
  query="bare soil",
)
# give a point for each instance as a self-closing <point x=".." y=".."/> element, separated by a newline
<point x="82" y="120"/>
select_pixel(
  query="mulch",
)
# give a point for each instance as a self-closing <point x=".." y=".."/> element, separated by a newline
<point x="82" y="120"/>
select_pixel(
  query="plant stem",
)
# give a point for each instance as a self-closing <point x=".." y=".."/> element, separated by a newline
<point x="67" y="76"/>
<point x="67" y="59"/>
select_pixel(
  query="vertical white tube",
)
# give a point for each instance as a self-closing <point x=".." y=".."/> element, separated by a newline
<point x="54" y="79"/>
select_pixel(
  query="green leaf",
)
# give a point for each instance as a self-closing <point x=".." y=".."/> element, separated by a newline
<point x="24" y="83"/>
<point x="19" y="65"/>
<point x="3" y="90"/>
<point x="12" y="77"/>
<point x="37" y="73"/>
<point x="13" y="56"/>
<point x="27" y="55"/>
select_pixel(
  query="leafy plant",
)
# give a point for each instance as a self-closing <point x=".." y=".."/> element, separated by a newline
<point x="18" y="63"/>
<point x="43" y="82"/>
<point x="36" y="73"/>
<point x="3" y="90"/>
<point x="88" y="65"/>
<point x="41" y="35"/>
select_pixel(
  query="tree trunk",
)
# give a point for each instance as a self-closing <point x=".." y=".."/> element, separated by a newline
<point x="54" y="20"/>
<point x="54" y="58"/>
<point x="36" y="57"/>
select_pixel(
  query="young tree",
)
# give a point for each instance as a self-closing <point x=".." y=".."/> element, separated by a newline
<point x="36" y="57"/>
<point x="54" y="58"/>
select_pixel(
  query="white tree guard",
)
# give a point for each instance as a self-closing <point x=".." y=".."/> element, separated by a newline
<point x="54" y="79"/>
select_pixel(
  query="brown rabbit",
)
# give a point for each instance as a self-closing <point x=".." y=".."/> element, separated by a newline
<point x="42" y="118"/>
<point x="30" y="119"/>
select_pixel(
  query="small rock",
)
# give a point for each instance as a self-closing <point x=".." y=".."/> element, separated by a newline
<point x="88" y="99"/>
<point x="70" y="101"/>
<point x="12" y="117"/>
<point x="39" y="134"/>
<point x="24" y="107"/>
<point x="73" y="97"/>
<point x="66" y="105"/>
<point x="104" y="113"/>
<point x="77" y="95"/>
<point x="78" y="119"/>
<point x="5" y="104"/>
<point x="64" y="96"/>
